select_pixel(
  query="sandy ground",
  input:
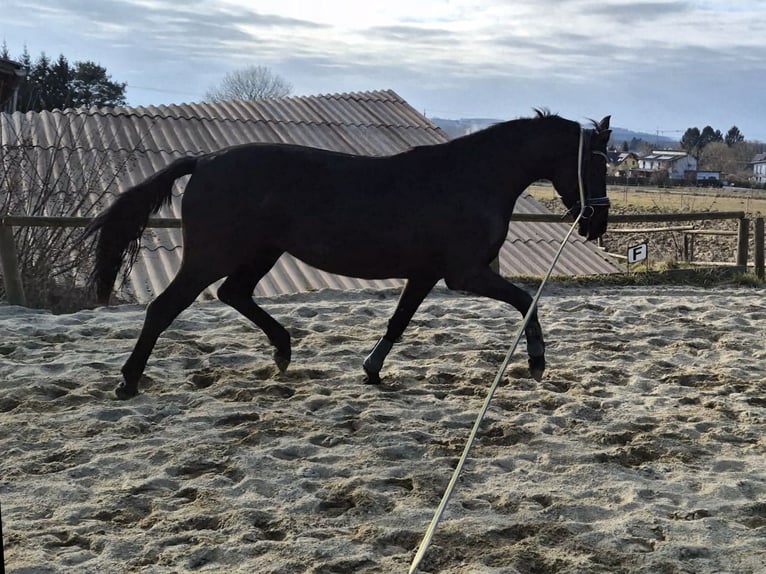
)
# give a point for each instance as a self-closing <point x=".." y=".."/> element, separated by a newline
<point x="642" y="450"/>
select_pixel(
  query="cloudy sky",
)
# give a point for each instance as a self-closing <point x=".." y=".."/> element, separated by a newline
<point x="652" y="64"/>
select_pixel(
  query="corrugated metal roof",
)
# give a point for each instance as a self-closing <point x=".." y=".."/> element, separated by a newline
<point x="141" y="140"/>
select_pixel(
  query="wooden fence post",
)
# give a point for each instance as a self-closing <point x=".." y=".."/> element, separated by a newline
<point x="688" y="247"/>
<point x="9" y="265"/>
<point x="758" y="255"/>
<point x="743" y="236"/>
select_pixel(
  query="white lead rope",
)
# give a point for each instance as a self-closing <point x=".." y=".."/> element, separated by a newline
<point x="424" y="543"/>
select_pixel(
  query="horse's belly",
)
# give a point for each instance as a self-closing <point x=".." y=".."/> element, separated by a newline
<point x="364" y="260"/>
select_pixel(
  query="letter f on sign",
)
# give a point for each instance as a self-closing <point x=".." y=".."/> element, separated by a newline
<point x="638" y="252"/>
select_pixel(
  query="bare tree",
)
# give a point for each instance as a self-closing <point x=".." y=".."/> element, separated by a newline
<point x="733" y="161"/>
<point x="250" y="83"/>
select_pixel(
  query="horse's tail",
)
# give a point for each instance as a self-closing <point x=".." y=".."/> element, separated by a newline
<point x="120" y="227"/>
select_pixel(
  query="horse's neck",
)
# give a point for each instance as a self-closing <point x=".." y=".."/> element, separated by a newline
<point x="513" y="160"/>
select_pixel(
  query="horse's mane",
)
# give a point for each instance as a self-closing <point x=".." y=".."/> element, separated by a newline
<point x="541" y="115"/>
<point x="544" y="113"/>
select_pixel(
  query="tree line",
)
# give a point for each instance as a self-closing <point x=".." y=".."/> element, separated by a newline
<point x="694" y="141"/>
<point x="729" y="153"/>
<point x="58" y="84"/>
<point x="52" y="84"/>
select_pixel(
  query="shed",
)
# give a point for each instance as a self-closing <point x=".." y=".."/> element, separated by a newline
<point x="11" y="75"/>
<point x="138" y="141"/>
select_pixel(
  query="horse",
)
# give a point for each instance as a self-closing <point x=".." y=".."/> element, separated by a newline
<point x="429" y="213"/>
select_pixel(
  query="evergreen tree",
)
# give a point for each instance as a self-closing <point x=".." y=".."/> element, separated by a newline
<point x="733" y="136"/>
<point x="709" y="135"/>
<point x="690" y="141"/>
<point x="59" y="85"/>
<point x="57" y="88"/>
<point x="694" y="141"/>
<point x="26" y="88"/>
<point x="91" y="86"/>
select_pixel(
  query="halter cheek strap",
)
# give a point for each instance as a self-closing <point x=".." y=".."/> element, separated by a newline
<point x="583" y="160"/>
<point x="584" y="142"/>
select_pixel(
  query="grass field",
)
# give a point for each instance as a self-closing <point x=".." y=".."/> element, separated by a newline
<point x="668" y="247"/>
<point x="752" y="202"/>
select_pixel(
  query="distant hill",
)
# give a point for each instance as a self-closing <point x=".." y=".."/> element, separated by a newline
<point x="620" y="135"/>
<point x="464" y="126"/>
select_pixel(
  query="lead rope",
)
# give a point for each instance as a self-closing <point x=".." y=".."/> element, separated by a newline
<point x="424" y="543"/>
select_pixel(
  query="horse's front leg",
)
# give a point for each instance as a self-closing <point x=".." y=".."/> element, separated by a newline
<point x="486" y="283"/>
<point x="412" y="296"/>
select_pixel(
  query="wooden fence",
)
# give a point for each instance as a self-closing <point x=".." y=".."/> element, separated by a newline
<point x="14" y="288"/>
<point x="742" y="233"/>
<point x="9" y="267"/>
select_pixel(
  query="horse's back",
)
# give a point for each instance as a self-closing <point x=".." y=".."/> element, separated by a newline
<point x="283" y="186"/>
<point x="369" y="217"/>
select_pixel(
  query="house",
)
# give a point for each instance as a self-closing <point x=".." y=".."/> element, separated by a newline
<point x="675" y="163"/>
<point x="623" y="164"/>
<point x="135" y="142"/>
<point x="759" y="168"/>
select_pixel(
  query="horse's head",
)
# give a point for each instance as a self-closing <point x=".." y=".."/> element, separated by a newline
<point x="581" y="177"/>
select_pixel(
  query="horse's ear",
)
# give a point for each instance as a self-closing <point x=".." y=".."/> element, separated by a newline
<point x="604" y="124"/>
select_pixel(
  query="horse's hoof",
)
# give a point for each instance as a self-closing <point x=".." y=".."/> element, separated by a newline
<point x="282" y="361"/>
<point x="371" y="378"/>
<point x="125" y="392"/>
<point x="537" y="367"/>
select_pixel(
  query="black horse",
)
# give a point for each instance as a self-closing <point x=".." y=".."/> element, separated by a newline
<point x="429" y="213"/>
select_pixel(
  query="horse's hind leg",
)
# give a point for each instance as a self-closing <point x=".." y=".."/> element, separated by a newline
<point x="487" y="283"/>
<point x="412" y="296"/>
<point x="181" y="293"/>
<point x="237" y="291"/>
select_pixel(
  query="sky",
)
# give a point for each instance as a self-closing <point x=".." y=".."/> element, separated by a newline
<point x="658" y="66"/>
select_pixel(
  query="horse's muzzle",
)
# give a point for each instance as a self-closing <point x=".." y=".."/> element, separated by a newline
<point x="593" y="222"/>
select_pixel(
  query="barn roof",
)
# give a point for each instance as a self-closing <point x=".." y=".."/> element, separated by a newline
<point x="127" y="144"/>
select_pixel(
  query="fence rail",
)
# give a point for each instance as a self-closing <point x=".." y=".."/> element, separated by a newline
<point x="46" y="221"/>
<point x="14" y="288"/>
<point x="629" y="230"/>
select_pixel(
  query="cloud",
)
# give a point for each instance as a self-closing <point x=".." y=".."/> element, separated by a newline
<point x="414" y="35"/>
<point x="638" y="12"/>
<point x="490" y="56"/>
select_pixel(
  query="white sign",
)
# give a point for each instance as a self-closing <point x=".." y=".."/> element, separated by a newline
<point x="638" y="252"/>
